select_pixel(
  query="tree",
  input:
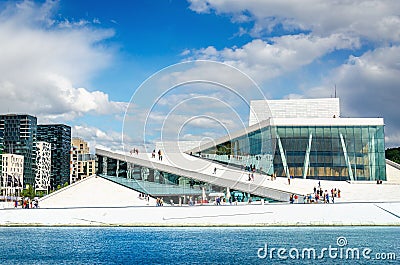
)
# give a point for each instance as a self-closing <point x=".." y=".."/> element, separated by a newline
<point x="393" y="154"/>
<point x="40" y="193"/>
<point x="29" y="192"/>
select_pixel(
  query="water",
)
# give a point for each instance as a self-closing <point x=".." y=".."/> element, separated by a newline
<point x="193" y="245"/>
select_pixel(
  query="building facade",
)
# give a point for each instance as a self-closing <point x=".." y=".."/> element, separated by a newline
<point x="307" y="139"/>
<point x="12" y="175"/>
<point x="59" y="136"/>
<point x="292" y="144"/>
<point x="43" y="168"/>
<point x="83" y="164"/>
<point x="19" y="138"/>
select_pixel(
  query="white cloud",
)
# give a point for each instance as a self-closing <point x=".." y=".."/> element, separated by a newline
<point x="376" y="20"/>
<point x="368" y="86"/>
<point x="97" y="137"/>
<point x="43" y="60"/>
<point x="267" y="59"/>
<point x="211" y="91"/>
<point x="367" y="83"/>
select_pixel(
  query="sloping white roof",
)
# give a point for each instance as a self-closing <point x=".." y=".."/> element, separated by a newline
<point x="93" y="192"/>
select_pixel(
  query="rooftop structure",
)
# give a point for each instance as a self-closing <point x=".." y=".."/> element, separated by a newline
<point x="293" y="108"/>
<point x="177" y="147"/>
<point x="302" y="143"/>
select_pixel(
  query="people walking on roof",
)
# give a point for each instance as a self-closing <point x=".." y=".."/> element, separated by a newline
<point x="327" y="196"/>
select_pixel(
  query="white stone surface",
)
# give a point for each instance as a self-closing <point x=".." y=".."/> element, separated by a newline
<point x="245" y="215"/>
<point x="200" y="169"/>
<point x="93" y="192"/>
<point x="293" y="108"/>
<point x="99" y="202"/>
<point x="392" y="173"/>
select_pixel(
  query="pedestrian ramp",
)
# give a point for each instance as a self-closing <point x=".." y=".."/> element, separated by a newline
<point x="199" y="169"/>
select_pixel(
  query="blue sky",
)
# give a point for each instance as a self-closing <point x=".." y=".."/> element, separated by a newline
<point x="81" y="62"/>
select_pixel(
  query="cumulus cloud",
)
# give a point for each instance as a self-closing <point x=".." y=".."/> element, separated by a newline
<point x="182" y="113"/>
<point x="97" y="137"/>
<point x="368" y="86"/>
<point x="43" y="60"/>
<point x="367" y="80"/>
<point x="267" y="59"/>
<point x="371" y="19"/>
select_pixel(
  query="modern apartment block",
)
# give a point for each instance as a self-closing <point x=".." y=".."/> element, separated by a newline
<point x="19" y="138"/>
<point x="12" y="175"/>
<point x="59" y="136"/>
<point x="83" y="164"/>
<point x="43" y="170"/>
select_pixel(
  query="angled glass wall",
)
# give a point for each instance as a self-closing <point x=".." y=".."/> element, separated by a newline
<point x="255" y="149"/>
<point x="154" y="182"/>
<point x="355" y="153"/>
<point x="171" y="187"/>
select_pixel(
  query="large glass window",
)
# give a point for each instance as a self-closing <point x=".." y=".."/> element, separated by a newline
<point x="324" y="152"/>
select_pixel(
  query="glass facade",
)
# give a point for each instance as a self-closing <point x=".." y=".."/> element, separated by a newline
<point x="252" y="149"/>
<point x="161" y="184"/>
<point x="152" y="181"/>
<point x="316" y="152"/>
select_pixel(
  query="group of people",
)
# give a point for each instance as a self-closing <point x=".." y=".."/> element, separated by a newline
<point x="294" y="198"/>
<point x="320" y="195"/>
<point x="27" y="203"/>
<point x="144" y="196"/>
<point x="251" y="168"/>
<point x="160" y="202"/>
<point x="153" y="154"/>
<point x="134" y="151"/>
